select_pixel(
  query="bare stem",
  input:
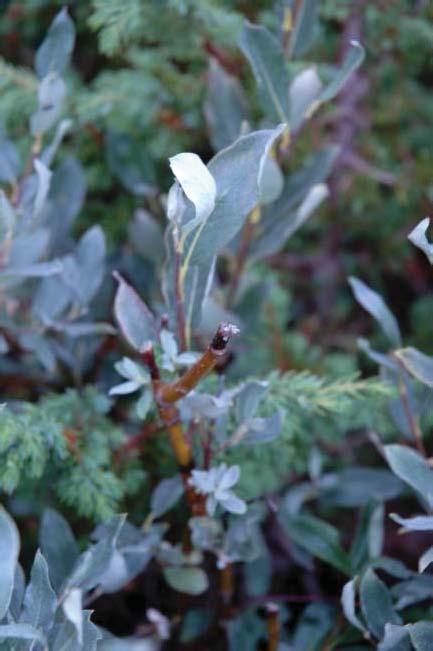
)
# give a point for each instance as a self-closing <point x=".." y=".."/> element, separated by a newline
<point x="242" y="254"/>
<point x="170" y="393"/>
<point x="273" y="622"/>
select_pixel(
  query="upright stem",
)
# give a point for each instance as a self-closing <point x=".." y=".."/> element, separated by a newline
<point x="166" y="395"/>
<point x="180" y="303"/>
<point x="273" y="622"/>
<point x="226" y="585"/>
<point x="242" y="254"/>
<point x="170" y="393"/>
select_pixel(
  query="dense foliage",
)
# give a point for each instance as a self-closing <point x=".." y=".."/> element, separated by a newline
<point x="178" y="339"/>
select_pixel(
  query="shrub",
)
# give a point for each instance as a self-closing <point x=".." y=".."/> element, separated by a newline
<point x="255" y="468"/>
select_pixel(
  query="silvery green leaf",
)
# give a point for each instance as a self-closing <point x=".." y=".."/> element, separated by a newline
<point x="42" y="349"/>
<point x="263" y="430"/>
<point x="417" y="523"/>
<point x="135" y="320"/>
<point x="144" y="403"/>
<point x="205" y="404"/>
<point x="416" y="589"/>
<point x="233" y="504"/>
<point x="90" y="260"/>
<point x="51" y="95"/>
<point x="225" y="108"/>
<point x="176" y="204"/>
<point x="206" y="533"/>
<point x="55" y="51"/>
<point x="146" y="236"/>
<point x="352" y="61"/>
<point x="304" y="28"/>
<point x="168" y="343"/>
<point x="64" y="637"/>
<point x="271" y="181"/>
<point x="190" y="580"/>
<point x="197" y="183"/>
<point x="236" y="170"/>
<point x="23" y="632"/>
<point x="198" y="284"/>
<point x="412" y="468"/>
<point x="93" y="563"/>
<point x="266" y="58"/>
<point x="314" y="625"/>
<point x="51" y="299"/>
<point x="165" y="495"/>
<point x="91" y="633"/>
<point x="312" y="200"/>
<point x="132" y="371"/>
<point x="49" y="152"/>
<point x="418" y="237"/>
<point x="376" y="306"/>
<point x="395" y="639"/>
<point x="129" y="160"/>
<point x="348" y="596"/>
<point x="356" y="486"/>
<point x="58" y="546"/>
<point x="82" y="328"/>
<point x="7" y="217"/>
<point x="284" y="221"/>
<point x="319" y="538"/>
<point x="9" y="550"/>
<point x="382" y="359"/>
<point x="229" y="478"/>
<point x="40" y="600"/>
<point x="37" y="270"/>
<point x="29" y="247"/>
<point x="376" y="604"/>
<point x="417" y="364"/>
<point x="18" y="592"/>
<point x="186" y="359"/>
<point x="425" y="560"/>
<point x="248" y="398"/>
<point x="304" y="90"/>
<point x="421" y="635"/>
<point x="44" y="180"/>
<point x="392" y="567"/>
<point x="116" y="575"/>
<point x="10" y="163"/>
<point x="375" y="532"/>
<point x="72" y="608"/>
<point x="124" y="388"/>
<point x="65" y="200"/>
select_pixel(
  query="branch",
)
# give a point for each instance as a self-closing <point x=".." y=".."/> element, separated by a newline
<point x="170" y="393"/>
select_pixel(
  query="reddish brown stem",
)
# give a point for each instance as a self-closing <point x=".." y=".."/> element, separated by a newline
<point x="170" y="393"/>
<point x="242" y="255"/>
<point x="273" y="622"/>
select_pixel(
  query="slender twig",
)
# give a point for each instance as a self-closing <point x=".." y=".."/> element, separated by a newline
<point x="166" y="395"/>
<point x="170" y="393"/>
<point x="273" y="622"/>
<point x="226" y="583"/>
<point x="242" y="254"/>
